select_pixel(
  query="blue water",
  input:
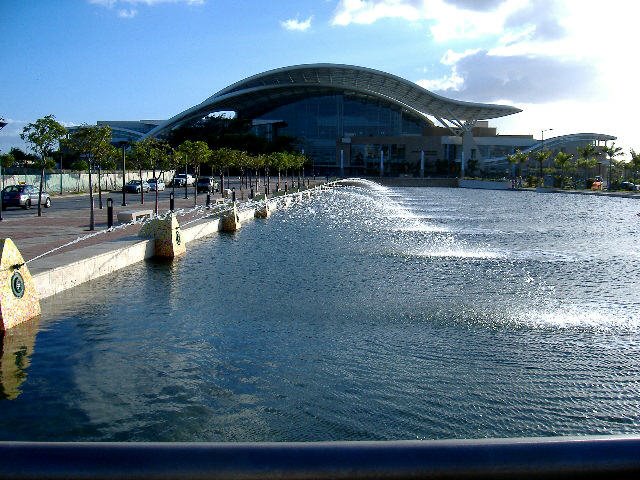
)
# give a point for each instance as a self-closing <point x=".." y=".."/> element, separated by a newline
<point x="357" y="315"/>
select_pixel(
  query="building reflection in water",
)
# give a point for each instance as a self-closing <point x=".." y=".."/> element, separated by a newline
<point x="17" y="346"/>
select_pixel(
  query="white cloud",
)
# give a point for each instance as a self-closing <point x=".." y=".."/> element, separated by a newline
<point x="370" y="11"/>
<point x="297" y="25"/>
<point x="448" y="19"/>
<point x="127" y="13"/>
<point x="452" y="82"/>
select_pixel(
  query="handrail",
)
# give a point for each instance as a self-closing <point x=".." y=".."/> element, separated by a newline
<point x="557" y="457"/>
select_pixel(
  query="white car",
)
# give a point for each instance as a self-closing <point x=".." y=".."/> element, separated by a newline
<point x="153" y="183"/>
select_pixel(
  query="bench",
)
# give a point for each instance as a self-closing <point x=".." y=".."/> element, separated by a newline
<point x="127" y="216"/>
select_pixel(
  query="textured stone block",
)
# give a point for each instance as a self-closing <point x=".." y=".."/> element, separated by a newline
<point x="166" y="234"/>
<point x="19" y="300"/>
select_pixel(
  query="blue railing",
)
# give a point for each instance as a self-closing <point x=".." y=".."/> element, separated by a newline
<point x="561" y="457"/>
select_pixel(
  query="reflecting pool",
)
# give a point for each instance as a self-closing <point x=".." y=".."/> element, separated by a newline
<point x="361" y="314"/>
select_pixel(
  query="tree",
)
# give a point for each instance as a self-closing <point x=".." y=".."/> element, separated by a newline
<point x="279" y="161"/>
<point x="6" y="160"/>
<point x="219" y="160"/>
<point x="143" y="156"/>
<point x="612" y="152"/>
<point x="635" y="163"/>
<point x="517" y="159"/>
<point x="563" y="162"/>
<point x="586" y="159"/>
<point x="541" y="156"/>
<point x="42" y="136"/>
<point x="195" y="153"/>
<point x="92" y="142"/>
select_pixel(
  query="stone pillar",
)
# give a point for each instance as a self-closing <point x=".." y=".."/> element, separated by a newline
<point x="263" y="211"/>
<point x="19" y="300"/>
<point x="167" y="236"/>
<point x="230" y="221"/>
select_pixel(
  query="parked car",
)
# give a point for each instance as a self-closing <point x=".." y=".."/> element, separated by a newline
<point x="134" y="186"/>
<point x="156" y="183"/>
<point x="628" y="186"/>
<point x="24" y="196"/>
<point x="206" y="184"/>
<point x="181" y="178"/>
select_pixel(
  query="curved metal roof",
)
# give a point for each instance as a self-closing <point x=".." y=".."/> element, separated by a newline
<point x="262" y="92"/>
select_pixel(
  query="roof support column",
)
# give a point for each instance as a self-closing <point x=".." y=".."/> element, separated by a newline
<point x="467" y="145"/>
<point x="462" y="129"/>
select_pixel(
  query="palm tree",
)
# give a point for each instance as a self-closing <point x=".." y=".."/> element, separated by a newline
<point x="517" y="159"/>
<point x="635" y="163"/>
<point x="541" y="156"/>
<point x="586" y="159"/>
<point x="612" y="152"/>
<point x="562" y="161"/>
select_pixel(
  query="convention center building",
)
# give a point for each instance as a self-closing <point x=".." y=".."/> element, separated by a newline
<point x="356" y="121"/>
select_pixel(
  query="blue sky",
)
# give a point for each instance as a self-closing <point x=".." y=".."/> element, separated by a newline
<point x="571" y="65"/>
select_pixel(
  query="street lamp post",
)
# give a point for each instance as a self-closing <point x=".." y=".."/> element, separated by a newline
<point x="124" y="170"/>
<point x="542" y="131"/>
<point x="2" y="124"/>
<point x="542" y="149"/>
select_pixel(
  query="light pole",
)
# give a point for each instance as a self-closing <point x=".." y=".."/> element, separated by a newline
<point x="542" y="131"/>
<point x="542" y="149"/>
<point x="2" y="125"/>
<point x="124" y="170"/>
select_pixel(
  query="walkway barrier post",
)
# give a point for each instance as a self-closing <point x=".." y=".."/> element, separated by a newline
<point x="172" y="202"/>
<point x="109" y="212"/>
<point x="233" y="194"/>
<point x="208" y="200"/>
<point x="251" y="197"/>
<point x="285" y="188"/>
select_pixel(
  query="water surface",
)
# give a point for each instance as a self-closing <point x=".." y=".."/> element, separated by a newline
<point x="356" y="315"/>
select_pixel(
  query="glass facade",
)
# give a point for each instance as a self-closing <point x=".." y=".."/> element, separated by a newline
<point x="318" y="122"/>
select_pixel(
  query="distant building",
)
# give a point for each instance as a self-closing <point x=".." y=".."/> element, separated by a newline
<point x="357" y="121"/>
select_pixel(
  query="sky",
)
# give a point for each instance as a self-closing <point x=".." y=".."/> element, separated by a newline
<point x="570" y="65"/>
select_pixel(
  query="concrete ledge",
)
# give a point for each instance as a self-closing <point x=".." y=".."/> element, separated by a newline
<point x="127" y="216"/>
<point x="89" y="263"/>
<point x="486" y="184"/>
<point x="414" y="182"/>
<point x="200" y="230"/>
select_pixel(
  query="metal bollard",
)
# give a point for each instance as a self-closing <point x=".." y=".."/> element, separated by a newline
<point x="266" y="191"/>
<point x="172" y="202"/>
<point x="285" y="188"/>
<point x="208" y="200"/>
<point x="233" y="194"/>
<point x="251" y="197"/>
<point x="109" y="212"/>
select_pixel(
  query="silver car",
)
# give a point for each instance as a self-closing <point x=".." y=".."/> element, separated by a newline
<point x="24" y="196"/>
